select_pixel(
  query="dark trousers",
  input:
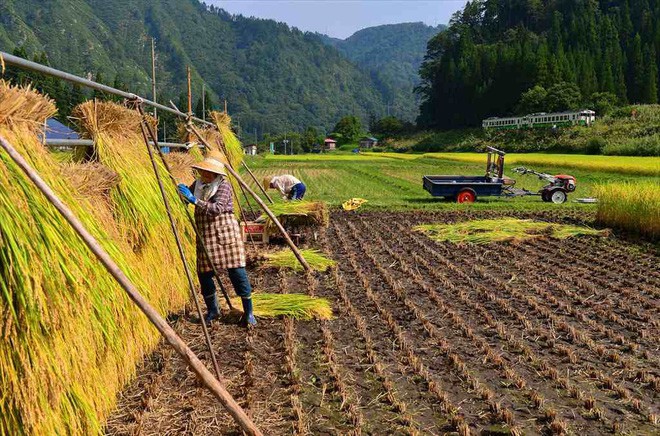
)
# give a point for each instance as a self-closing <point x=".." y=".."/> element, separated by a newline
<point x="297" y="191"/>
<point x="239" y="281"/>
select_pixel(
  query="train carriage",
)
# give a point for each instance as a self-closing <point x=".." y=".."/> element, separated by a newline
<point x="583" y="117"/>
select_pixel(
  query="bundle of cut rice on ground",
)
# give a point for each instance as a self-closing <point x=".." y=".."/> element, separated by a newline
<point x="502" y="229"/>
<point x="286" y="259"/>
<point x="300" y="213"/>
<point x="298" y="306"/>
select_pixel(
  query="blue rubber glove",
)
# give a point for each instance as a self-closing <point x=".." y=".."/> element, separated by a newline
<point x="185" y="193"/>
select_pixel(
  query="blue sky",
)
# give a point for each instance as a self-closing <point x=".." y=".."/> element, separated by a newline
<point x="342" y="18"/>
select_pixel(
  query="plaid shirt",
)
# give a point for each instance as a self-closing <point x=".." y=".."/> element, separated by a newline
<point x="219" y="231"/>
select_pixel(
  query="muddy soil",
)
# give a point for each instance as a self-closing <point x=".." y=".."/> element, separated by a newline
<point x="538" y="337"/>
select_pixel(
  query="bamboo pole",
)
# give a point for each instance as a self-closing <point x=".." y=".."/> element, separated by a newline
<point x="263" y="191"/>
<point x="182" y="254"/>
<point x="215" y="386"/>
<point x="261" y="203"/>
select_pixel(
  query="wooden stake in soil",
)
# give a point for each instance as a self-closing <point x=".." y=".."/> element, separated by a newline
<point x="261" y="203"/>
<point x="216" y="388"/>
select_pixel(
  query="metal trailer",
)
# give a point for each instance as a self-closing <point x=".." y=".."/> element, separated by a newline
<point x="466" y="189"/>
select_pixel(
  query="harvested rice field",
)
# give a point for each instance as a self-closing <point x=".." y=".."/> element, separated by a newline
<point x="536" y="336"/>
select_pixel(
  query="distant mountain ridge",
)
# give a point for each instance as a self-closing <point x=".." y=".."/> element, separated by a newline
<point x="274" y="77"/>
<point x="392" y="54"/>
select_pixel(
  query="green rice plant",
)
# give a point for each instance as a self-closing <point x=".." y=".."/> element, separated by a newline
<point x="500" y="230"/>
<point x="297" y="306"/>
<point x="300" y="213"/>
<point x="334" y="156"/>
<point x="286" y="259"/>
<point x="631" y="206"/>
<point x="617" y="164"/>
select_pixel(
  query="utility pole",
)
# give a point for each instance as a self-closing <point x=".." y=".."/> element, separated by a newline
<point x="188" y="135"/>
<point x="153" y="73"/>
<point x="204" y="101"/>
<point x="189" y="93"/>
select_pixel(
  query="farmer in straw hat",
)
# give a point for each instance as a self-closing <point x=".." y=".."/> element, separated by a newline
<point x="290" y="187"/>
<point x="218" y="229"/>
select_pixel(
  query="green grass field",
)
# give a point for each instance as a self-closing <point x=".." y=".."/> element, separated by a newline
<point x="394" y="181"/>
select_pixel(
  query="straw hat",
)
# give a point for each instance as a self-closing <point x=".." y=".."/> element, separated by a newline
<point x="213" y="163"/>
<point x="267" y="181"/>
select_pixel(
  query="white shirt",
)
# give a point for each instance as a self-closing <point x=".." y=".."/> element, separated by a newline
<point x="284" y="183"/>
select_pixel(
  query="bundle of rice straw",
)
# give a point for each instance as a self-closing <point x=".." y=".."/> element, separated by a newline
<point x="300" y="213"/>
<point x="180" y="164"/>
<point x="297" y="306"/>
<point x="71" y="337"/>
<point x="501" y="230"/>
<point x="286" y="259"/>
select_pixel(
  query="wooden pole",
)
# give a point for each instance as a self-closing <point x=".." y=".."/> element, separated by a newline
<point x="261" y="203"/>
<point x="225" y="105"/>
<point x="216" y="388"/>
<point x="153" y="74"/>
<point x="254" y="178"/>
<point x="189" y="94"/>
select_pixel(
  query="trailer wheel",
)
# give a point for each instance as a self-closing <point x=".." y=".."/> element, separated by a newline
<point x="558" y="196"/>
<point x="466" y="196"/>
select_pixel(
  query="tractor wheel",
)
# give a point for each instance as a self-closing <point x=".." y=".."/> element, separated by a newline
<point x="545" y="196"/>
<point x="558" y="196"/>
<point x="466" y="196"/>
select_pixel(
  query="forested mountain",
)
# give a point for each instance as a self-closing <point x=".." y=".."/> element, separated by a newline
<point x="273" y="76"/>
<point x="501" y="57"/>
<point x="392" y="53"/>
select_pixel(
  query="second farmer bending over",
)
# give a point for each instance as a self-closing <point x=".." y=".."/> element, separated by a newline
<point x="290" y="187"/>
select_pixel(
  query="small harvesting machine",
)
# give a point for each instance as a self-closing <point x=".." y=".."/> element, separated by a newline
<point x="466" y="189"/>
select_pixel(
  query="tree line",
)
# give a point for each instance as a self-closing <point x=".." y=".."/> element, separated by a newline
<point x="505" y="57"/>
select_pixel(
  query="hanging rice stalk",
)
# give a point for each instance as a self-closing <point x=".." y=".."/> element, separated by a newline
<point x="232" y="145"/>
<point x="286" y="259"/>
<point x="499" y="230"/>
<point x="298" y="306"/>
<point x="71" y="338"/>
<point x="180" y="164"/>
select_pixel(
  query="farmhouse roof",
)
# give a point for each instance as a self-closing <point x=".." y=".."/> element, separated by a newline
<point x="57" y="130"/>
